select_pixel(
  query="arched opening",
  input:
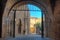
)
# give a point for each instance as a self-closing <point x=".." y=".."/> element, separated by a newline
<point x="25" y="19"/>
<point x="20" y="9"/>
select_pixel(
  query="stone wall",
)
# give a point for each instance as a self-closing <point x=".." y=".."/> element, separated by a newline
<point x="57" y="20"/>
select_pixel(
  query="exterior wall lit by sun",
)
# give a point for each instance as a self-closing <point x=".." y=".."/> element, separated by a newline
<point x="33" y="21"/>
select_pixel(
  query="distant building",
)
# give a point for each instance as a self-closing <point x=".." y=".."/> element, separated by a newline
<point x="33" y="21"/>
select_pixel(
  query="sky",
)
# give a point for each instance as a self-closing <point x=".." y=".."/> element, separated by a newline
<point x="37" y="14"/>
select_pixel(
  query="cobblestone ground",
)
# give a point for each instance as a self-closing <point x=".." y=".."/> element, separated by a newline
<point x="26" y="37"/>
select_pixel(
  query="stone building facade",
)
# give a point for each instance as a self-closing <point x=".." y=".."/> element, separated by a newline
<point x="33" y="21"/>
<point x="22" y="22"/>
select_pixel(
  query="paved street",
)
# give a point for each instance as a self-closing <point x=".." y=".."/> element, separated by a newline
<point x="28" y="37"/>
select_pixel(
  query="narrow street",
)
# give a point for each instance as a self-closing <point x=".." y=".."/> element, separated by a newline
<point x="28" y="37"/>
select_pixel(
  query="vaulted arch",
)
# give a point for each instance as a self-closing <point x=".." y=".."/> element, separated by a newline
<point x="45" y="9"/>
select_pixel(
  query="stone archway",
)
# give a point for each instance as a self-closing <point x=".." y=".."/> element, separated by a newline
<point x="45" y="9"/>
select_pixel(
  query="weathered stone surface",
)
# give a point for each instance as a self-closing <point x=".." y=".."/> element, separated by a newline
<point x="57" y="20"/>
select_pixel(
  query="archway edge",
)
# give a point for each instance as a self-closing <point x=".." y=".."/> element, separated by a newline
<point x="45" y="9"/>
<point x="38" y="4"/>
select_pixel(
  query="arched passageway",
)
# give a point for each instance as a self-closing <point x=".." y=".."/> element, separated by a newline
<point x="44" y="10"/>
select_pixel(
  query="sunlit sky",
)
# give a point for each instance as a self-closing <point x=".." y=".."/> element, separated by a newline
<point x="37" y="14"/>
